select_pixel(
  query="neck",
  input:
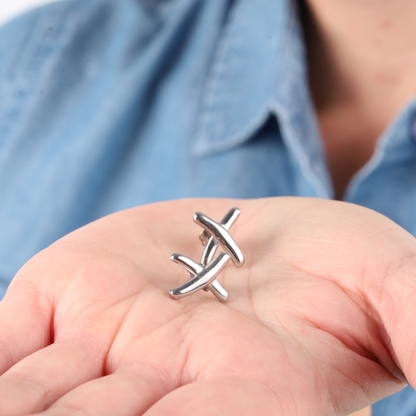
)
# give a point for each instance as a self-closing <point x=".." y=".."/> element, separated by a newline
<point x="362" y="70"/>
<point x="362" y="54"/>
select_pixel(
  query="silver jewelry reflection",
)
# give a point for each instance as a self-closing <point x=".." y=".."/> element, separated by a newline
<point x="204" y="274"/>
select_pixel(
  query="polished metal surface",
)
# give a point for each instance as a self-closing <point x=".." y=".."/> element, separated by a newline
<point x="221" y="236"/>
<point x="204" y="274"/>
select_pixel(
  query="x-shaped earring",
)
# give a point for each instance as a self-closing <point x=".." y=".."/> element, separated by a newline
<point x="204" y="274"/>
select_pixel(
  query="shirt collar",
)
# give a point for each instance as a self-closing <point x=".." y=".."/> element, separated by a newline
<point x="260" y="70"/>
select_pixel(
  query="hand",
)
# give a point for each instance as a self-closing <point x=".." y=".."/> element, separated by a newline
<point x="320" y="321"/>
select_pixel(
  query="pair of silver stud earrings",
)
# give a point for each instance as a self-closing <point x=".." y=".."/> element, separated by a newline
<point x="204" y="274"/>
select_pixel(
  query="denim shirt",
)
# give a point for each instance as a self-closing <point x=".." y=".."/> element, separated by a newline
<point x="106" y="105"/>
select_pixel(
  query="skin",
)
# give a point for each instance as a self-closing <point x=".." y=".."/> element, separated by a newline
<point x="362" y="63"/>
<point x="320" y="320"/>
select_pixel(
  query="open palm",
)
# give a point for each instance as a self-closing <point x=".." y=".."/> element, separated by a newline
<point x="320" y="320"/>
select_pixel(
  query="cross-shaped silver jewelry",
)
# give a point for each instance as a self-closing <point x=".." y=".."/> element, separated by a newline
<point x="204" y="274"/>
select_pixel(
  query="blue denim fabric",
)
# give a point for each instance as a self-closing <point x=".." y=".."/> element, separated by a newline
<point x="106" y="104"/>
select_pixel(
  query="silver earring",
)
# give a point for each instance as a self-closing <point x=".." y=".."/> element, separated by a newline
<point x="204" y="274"/>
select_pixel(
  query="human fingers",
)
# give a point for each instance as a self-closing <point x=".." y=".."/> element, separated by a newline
<point x="81" y="326"/>
<point x="130" y="391"/>
<point x="41" y="378"/>
<point x="25" y="317"/>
